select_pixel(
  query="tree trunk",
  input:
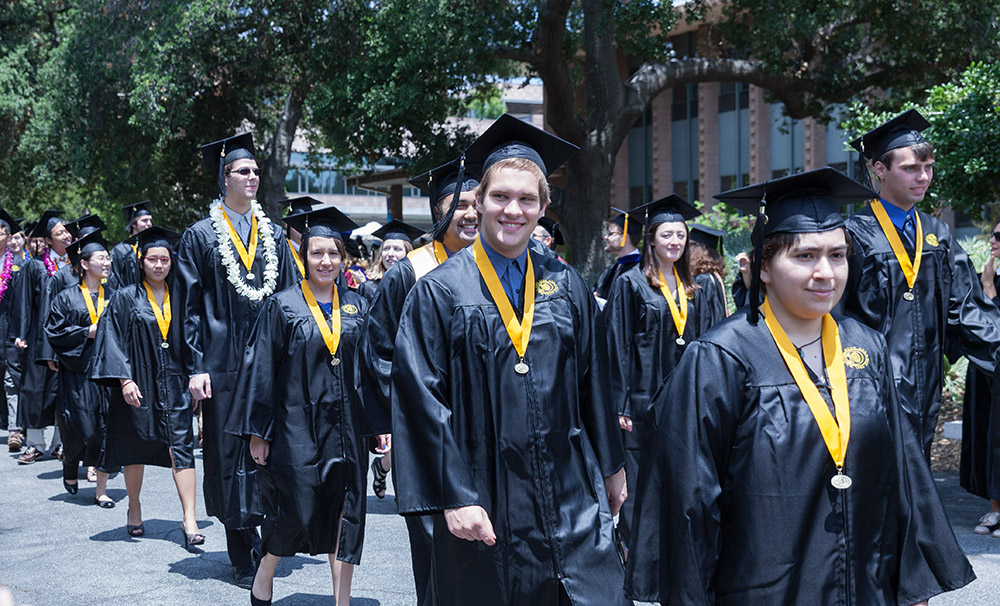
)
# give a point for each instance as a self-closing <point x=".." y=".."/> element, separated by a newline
<point x="585" y="209"/>
<point x="279" y="153"/>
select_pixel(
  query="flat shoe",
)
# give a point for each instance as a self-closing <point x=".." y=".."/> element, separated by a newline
<point x="105" y="503"/>
<point x="29" y="456"/>
<point x="988" y="523"/>
<point x="71" y="488"/>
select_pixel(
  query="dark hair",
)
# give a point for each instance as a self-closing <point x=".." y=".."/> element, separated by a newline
<point x="304" y="251"/>
<point x="5" y="227"/>
<point x="923" y="151"/>
<point x="651" y="266"/>
<point x="706" y="260"/>
<point x="78" y="270"/>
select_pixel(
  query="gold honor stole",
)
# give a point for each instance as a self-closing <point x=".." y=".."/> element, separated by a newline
<point x="678" y="311"/>
<point x="162" y="314"/>
<point x="95" y="314"/>
<point x="295" y="256"/>
<point x="519" y="332"/>
<point x="837" y="433"/>
<point x="331" y="334"/>
<point x="246" y="256"/>
<point x="426" y="258"/>
<point x="910" y="269"/>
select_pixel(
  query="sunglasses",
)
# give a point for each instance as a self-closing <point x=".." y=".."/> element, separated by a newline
<point x="246" y="171"/>
<point x="995" y="236"/>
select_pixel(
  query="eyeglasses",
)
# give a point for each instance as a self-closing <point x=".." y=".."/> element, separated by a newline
<point x="246" y="171"/>
<point x="995" y="236"/>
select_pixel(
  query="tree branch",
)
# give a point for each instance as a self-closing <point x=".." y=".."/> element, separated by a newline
<point x="547" y="40"/>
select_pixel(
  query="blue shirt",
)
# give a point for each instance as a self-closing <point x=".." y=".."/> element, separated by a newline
<point x="510" y="272"/>
<point x="902" y="219"/>
<point x="241" y="223"/>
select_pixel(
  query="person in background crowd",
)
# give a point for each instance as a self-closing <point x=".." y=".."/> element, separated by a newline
<point x="708" y="266"/>
<point x="623" y="248"/>
<point x="125" y="266"/>
<point x="397" y="242"/>
<point x="759" y="487"/>
<point x="10" y="266"/>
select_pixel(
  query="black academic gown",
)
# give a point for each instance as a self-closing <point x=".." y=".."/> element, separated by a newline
<point x="217" y="323"/>
<point x="82" y="405"/>
<point x="531" y="449"/>
<point x="735" y="505"/>
<point x="368" y="288"/>
<point x="36" y="401"/>
<point x="125" y="268"/>
<point x="714" y="289"/>
<point x="602" y="288"/>
<point x="949" y="313"/>
<point x="979" y="470"/>
<point x="289" y="394"/>
<point x="128" y="346"/>
<point x="643" y="349"/>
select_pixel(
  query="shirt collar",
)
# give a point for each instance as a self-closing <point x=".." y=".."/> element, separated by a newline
<point x="896" y="214"/>
<point x="501" y="262"/>
<point x="234" y="216"/>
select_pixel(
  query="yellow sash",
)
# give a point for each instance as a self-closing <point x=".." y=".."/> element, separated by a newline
<point x="245" y="255"/>
<point x="835" y="434"/>
<point x="439" y="252"/>
<point x="679" y="310"/>
<point x="295" y="257"/>
<point x="162" y="314"/>
<point x="519" y="332"/>
<point x="95" y="315"/>
<point x="424" y="259"/>
<point x="910" y="269"/>
<point x="135" y="249"/>
<point x="331" y="335"/>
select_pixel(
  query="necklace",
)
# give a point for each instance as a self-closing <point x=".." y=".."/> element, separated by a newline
<point x="799" y="348"/>
<point x="225" y="235"/>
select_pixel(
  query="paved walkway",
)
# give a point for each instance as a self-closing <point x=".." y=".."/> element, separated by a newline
<point x="62" y="550"/>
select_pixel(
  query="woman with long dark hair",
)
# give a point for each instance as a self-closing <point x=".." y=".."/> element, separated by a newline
<point x="139" y="361"/>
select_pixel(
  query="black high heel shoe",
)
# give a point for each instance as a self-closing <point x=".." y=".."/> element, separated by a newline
<point x="71" y="488"/>
<point x="134" y="530"/>
<point x="192" y="539"/>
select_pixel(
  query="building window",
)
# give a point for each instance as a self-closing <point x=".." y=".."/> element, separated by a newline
<point x="787" y="136"/>
<point x="684" y="144"/>
<point x="734" y="135"/>
<point x="640" y="159"/>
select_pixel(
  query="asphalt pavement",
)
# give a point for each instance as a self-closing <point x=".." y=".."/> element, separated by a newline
<point x="58" y="549"/>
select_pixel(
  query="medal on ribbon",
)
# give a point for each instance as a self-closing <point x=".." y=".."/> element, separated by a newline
<point x="331" y="334"/>
<point x="519" y="332"/>
<point x="910" y="268"/>
<point x="162" y="314"/>
<point x="679" y="310"/>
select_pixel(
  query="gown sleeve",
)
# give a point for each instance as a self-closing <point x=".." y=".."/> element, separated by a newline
<point x="110" y="362"/>
<point x="65" y="335"/>
<point x="973" y="327"/>
<point x="425" y="452"/>
<point x="253" y="409"/>
<point x="677" y="513"/>
<point x="619" y="318"/>
<point x="24" y="305"/>
<point x="192" y="301"/>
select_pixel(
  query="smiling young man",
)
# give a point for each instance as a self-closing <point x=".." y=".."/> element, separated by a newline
<point x="227" y="264"/>
<point x="503" y="433"/>
<point x="910" y="280"/>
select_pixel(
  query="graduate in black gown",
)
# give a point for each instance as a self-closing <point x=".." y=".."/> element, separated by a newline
<point x="297" y="403"/>
<point x="125" y="266"/>
<point x="10" y="355"/>
<point x="451" y="196"/>
<point x="784" y="471"/>
<point x="708" y="265"/>
<point x="502" y="430"/>
<point x="979" y="471"/>
<point x="653" y="311"/>
<point x="227" y="265"/>
<point x="138" y="361"/>
<point x="621" y="238"/>
<point x="397" y="242"/>
<point x="910" y="280"/>
<point x="36" y="402"/>
<point x="70" y="328"/>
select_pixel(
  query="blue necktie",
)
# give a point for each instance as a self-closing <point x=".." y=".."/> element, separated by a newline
<point x="910" y="229"/>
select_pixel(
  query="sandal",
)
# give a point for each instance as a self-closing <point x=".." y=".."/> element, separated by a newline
<point x="378" y="483"/>
<point x="91" y="475"/>
<point x="192" y="539"/>
<point x="105" y="502"/>
<point x="134" y="530"/>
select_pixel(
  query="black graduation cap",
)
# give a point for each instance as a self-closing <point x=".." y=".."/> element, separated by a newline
<point x="668" y="209"/>
<point x="28" y="227"/>
<point x="138" y="209"/>
<point x="901" y="131"/>
<point x="297" y="206"/>
<point x="85" y="225"/>
<point x="709" y="237"/>
<point x="46" y="223"/>
<point x="630" y="221"/>
<point x="397" y="230"/>
<point x="324" y="221"/>
<point x="802" y="203"/>
<point x="355" y="248"/>
<point x="91" y="242"/>
<point x="441" y="182"/>
<point x="11" y="222"/>
<point x="218" y="154"/>
<point x="155" y="236"/>
<point x="554" y="230"/>
<point x="510" y="137"/>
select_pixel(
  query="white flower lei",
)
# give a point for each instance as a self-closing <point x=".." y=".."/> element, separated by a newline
<point x="229" y="258"/>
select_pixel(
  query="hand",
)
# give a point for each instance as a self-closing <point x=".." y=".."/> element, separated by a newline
<point x="259" y="449"/>
<point x="200" y="386"/>
<point x="384" y="443"/>
<point x="989" y="270"/>
<point x="92" y="332"/>
<point x="470" y="523"/>
<point x="130" y="391"/>
<point x="625" y="422"/>
<point x="743" y="261"/>
<point x="617" y="490"/>
<point x="21" y="343"/>
<point x="53" y="365"/>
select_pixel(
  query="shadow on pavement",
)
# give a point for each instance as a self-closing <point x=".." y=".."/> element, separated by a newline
<point x="85" y="497"/>
<point x="156" y="530"/>
<point x="312" y="599"/>
<point x="964" y="510"/>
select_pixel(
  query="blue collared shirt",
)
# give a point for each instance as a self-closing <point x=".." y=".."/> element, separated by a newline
<point x="510" y="272"/>
<point x="241" y="223"/>
<point x="899" y="217"/>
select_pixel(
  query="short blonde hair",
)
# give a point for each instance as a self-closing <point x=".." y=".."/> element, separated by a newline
<point x="516" y="164"/>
